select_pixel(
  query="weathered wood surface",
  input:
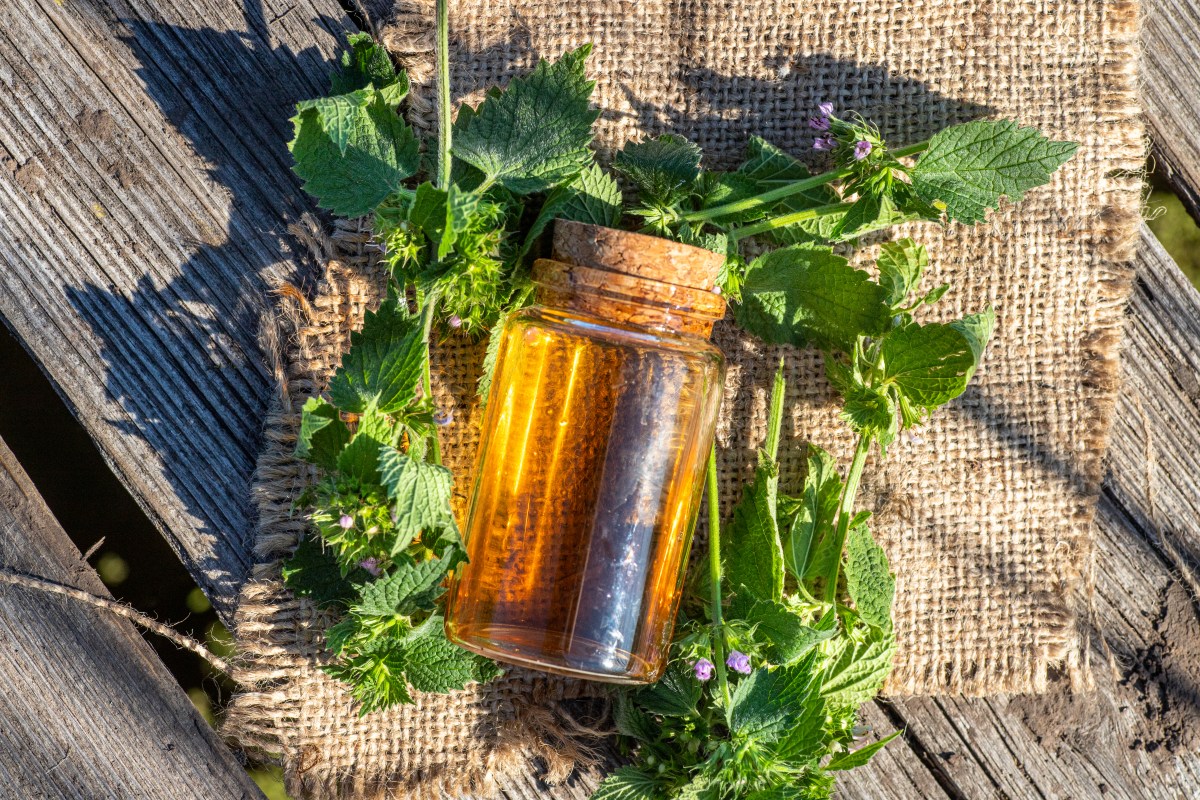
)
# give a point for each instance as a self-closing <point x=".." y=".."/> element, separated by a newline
<point x="1171" y="91"/>
<point x="143" y="208"/>
<point x="86" y="708"/>
<point x="144" y="196"/>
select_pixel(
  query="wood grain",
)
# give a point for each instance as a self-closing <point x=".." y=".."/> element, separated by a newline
<point x="1171" y="92"/>
<point x="86" y="708"/>
<point x="146" y="189"/>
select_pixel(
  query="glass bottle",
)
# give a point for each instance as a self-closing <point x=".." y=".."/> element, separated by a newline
<point x="592" y="459"/>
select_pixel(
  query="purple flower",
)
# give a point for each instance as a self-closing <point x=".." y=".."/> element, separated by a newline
<point x="862" y="149"/>
<point x="371" y="565"/>
<point x="824" y="143"/>
<point x="346" y="522"/>
<point x="704" y="669"/>
<point x="455" y="321"/>
<point x="818" y="123"/>
<point x="826" y="109"/>
<point x="738" y="662"/>
<point x="444" y="417"/>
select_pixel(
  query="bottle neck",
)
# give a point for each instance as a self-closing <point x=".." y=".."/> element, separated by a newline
<point x="625" y="299"/>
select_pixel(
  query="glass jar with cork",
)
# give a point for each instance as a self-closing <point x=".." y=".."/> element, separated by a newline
<point x="592" y="457"/>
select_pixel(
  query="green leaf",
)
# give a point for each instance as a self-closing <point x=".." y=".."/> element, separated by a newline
<point x="768" y="704"/>
<point x="788" y="637"/>
<point x="900" y="266"/>
<point x="805" y="294"/>
<point x="435" y="664"/>
<point x="767" y="167"/>
<point x="628" y="783"/>
<point x="663" y="169"/>
<point x="368" y="156"/>
<point x="856" y="667"/>
<point x="932" y="364"/>
<point x="631" y="721"/>
<point x="868" y="578"/>
<point x="872" y="213"/>
<point x="322" y="434"/>
<point x="859" y="757"/>
<point x="970" y="167"/>
<point x="534" y="134"/>
<point x="314" y="572"/>
<point x="360" y="459"/>
<point x="701" y="787"/>
<point x="375" y="676"/>
<point x="592" y="197"/>
<point x="383" y="365"/>
<point x="401" y="592"/>
<point x="816" y="515"/>
<point x="366" y="64"/>
<point x="420" y="491"/>
<point x="675" y="695"/>
<point x="750" y="546"/>
<point x="870" y="412"/>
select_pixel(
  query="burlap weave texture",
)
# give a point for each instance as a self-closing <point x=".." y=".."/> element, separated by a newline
<point x="986" y="516"/>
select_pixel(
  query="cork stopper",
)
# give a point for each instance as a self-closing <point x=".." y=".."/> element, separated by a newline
<point x="631" y="278"/>
<point x="637" y="254"/>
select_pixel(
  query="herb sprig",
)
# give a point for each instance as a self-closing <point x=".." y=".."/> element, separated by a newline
<point x="790" y="632"/>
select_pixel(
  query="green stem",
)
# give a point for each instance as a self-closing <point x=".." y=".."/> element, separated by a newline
<point x="845" y="511"/>
<point x="427" y="309"/>
<point x="774" y="223"/>
<point x="714" y="572"/>
<point x="443" y="85"/>
<point x="775" y="416"/>
<point x="775" y="195"/>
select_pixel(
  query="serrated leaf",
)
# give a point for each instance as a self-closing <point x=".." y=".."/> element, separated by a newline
<point x="872" y="213"/>
<point x="900" y="266"/>
<point x="788" y="637"/>
<point x="435" y="664"/>
<point x="859" y="757"/>
<point x="631" y="721"/>
<point x="420" y="491"/>
<point x="675" y="695"/>
<point x="374" y="153"/>
<point x="856" y="668"/>
<point x="932" y="364"/>
<point x="870" y="412"/>
<point x="628" y="783"/>
<point x="592" y="197"/>
<point x="399" y="592"/>
<point x="383" y="365"/>
<point x="364" y="64"/>
<point x="322" y="434"/>
<point x="535" y="133"/>
<point x="816" y="516"/>
<point x="767" y="167"/>
<point x="750" y="545"/>
<point x="360" y="459"/>
<point x="663" y="169"/>
<point x="970" y="167"/>
<point x="375" y="677"/>
<point x="768" y="704"/>
<point x="868" y="578"/>
<point x="338" y="114"/>
<point x="805" y="294"/>
<point x="701" y="787"/>
<point x="314" y="573"/>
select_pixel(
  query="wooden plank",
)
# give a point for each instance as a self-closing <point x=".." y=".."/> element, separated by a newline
<point x="145" y="191"/>
<point x="1171" y="92"/>
<point x="86" y="708"/>
<point x="1137" y="736"/>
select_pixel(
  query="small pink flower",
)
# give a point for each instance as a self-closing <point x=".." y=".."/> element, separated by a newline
<point x="444" y="417"/>
<point x="818" y="123"/>
<point x="704" y="669"/>
<point x="346" y="522"/>
<point x="826" y="109"/>
<point x="824" y="143"/>
<point x="862" y="149"/>
<point x="371" y="565"/>
<point x="455" y="321"/>
<point x="739" y="662"/>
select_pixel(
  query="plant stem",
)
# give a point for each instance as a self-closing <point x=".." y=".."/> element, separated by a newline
<point x="443" y="86"/>
<point x="775" y="195"/>
<point x="845" y="510"/>
<point x="774" y="223"/>
<point x="775" y="416"/>
<point x="427" y="308"/>
<point x="714" y="572"/>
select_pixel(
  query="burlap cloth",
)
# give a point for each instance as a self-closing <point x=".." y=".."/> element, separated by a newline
<point x="986" y="517"/>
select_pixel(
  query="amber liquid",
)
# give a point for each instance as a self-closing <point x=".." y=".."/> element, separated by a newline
<point x="588" y="481"/>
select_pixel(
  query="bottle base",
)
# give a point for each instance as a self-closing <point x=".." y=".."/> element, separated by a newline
<point x="585" y="659"/>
